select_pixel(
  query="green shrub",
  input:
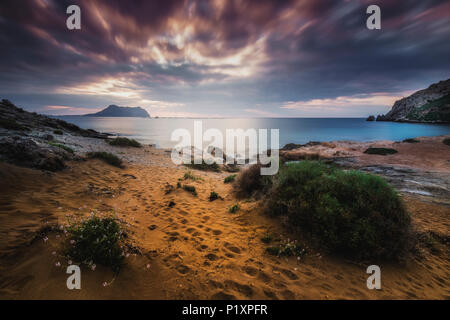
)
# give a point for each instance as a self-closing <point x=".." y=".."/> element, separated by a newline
<point x="250" y="181"/>
<point x="190" y="189"/>
<point x="380" y="151"/>
<point x="213" y="196"/>
<point x="411" y="140"/>
<point x="230" y="178"/>
<point x="446" y="141"/>
<point x="350" y="212"/>
<point x="124" y="142"/>
<point x="58" y="132"/>
<point x="204" y="166"/>
<point x="96" y="240"/>
<point x="61" y="146"/>
<point x="234" y="208"/>
<point x="107" y="157"/>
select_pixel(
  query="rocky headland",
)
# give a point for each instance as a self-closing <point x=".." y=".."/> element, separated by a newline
<point x="431" y="105"/>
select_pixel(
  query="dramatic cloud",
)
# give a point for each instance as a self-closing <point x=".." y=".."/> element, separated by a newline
<point x="221" y="57"/>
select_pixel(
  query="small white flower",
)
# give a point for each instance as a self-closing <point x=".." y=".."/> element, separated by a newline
<point x="58" y="264"/>
<point x="69" y="262"/>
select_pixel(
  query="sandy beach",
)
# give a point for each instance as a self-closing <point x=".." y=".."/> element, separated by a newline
<point x="197" y="249"/>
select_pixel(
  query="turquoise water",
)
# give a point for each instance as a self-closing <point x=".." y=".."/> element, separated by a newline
<point x="295" y="130"/>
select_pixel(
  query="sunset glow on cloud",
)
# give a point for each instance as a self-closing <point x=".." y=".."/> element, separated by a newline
<point x="221" y="58"/>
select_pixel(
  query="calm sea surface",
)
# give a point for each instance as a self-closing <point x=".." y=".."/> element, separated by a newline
<point x="295" y="130"/>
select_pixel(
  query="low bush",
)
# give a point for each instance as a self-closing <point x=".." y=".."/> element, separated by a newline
<point x="230" y="178"/>
<point x="380" y="151"/>
<point x="250" y="181"/>
<point x="107" y="157"/>
<point x="59" y="132"/>
<point x="352" y="213"/>
<point x="124" y="142"/>
<point x="190" y="176"/>
<point x="96" y="240"/>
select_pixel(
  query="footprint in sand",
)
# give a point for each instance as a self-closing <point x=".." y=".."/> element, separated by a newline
<point x="242" y="288"/>
<point x="221" y="295"/>
<point x="211" y="257"/>
<point x="183" y="269"/>
<point x="250" y="271"/>
<point x="232" y="248"/>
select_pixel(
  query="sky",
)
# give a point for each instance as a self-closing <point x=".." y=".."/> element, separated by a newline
<point x="221" y="58"/>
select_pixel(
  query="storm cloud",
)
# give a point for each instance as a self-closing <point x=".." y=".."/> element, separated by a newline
<point x="221" y="58"/>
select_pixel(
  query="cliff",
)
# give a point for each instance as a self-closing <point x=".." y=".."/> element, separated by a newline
<point x="431" y="105"/>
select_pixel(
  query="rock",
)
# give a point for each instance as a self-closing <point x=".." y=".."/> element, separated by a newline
<point x="24" y="151"/>
<point x="48" y="137"/>
<point x="370" y="118"/>
<point x="171" y="204"/>
<point x="380" y="151"/>
<point x="428" y="105"/>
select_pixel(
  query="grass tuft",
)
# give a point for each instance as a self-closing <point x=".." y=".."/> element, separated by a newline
<point x="213" y="196"/>
<point x="230" y="178"/>
<point x="234" y="208"/>
<point x="107" y="157"/>
<point x="61" y="146"/>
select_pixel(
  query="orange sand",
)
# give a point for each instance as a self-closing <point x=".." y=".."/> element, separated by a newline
<point x="198" y="250"/>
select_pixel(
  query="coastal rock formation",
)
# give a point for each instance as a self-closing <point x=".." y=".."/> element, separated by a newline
<point x="430" y="105"/>
<point x="116" y="111"/>
<point x="20" y="121"/>
<point x="27" y="152"/>
<point x="370" y="118"/>
<point x="26" y="138"/>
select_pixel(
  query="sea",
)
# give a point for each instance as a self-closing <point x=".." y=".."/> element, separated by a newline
<point x="158" y="131"/>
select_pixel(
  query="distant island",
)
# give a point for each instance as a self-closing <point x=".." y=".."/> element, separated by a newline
<point x="431" y="105"/>
<point x="116" y="111"/>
